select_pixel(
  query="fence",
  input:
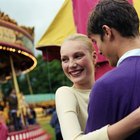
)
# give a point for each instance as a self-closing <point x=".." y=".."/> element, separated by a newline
<point x="31" y="133"/>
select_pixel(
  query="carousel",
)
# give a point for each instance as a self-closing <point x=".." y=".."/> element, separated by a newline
<point x="16" y="48"/>
<point x="16" y="58"/>
<point x="16" y="52"/>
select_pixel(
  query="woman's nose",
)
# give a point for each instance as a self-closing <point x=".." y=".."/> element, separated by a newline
<point x="72" y="64"/>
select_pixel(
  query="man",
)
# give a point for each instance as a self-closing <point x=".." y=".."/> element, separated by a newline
<point x="114" y="26"/>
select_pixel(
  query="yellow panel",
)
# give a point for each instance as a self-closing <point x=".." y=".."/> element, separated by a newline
<point x="136" y="4"/>
<point x="62" y="26"/>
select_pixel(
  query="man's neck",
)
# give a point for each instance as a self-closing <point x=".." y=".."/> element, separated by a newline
<point x="126" y="45"/>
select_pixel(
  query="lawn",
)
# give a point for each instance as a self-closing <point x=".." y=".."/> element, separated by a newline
<point x="44" y="122"/>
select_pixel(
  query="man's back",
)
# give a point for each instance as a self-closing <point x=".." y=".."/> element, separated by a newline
<point x="115" y="95"/>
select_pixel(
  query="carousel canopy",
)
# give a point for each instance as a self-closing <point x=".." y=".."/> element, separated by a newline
<point x="16" y="43"/>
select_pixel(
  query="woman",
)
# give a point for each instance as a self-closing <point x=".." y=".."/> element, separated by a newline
<point x="78" y="60"/>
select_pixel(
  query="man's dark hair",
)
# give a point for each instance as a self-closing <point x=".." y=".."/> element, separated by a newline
<point x="117" y="14"/>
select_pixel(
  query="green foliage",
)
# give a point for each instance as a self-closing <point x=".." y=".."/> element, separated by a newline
<point x="5" y="87"/>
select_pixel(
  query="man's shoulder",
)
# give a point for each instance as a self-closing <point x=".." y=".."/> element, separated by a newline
<point x="108" y="76"/>
<point x="111" y="78"/>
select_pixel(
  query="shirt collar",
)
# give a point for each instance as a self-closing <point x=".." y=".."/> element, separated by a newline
<point x="135" y="52"/>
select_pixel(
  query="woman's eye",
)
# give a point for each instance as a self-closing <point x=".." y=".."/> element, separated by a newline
<point x="79" y="56"/>
<point x="64" y="60"/>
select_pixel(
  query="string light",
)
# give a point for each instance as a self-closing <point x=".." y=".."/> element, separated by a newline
<point x="13" y="50"/>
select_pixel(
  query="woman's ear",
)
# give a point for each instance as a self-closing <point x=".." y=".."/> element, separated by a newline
<point x="94" y="55"/>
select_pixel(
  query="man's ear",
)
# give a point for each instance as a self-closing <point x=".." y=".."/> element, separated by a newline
<point x="107" y="31"/>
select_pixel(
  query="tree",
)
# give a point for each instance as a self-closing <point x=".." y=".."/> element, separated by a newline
<point x="45" y="78"/>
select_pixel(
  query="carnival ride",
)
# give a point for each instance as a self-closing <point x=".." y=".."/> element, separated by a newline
<point x="16" y="58"/>
<point x="16" y="48"/>
<point x="16" y="52"/>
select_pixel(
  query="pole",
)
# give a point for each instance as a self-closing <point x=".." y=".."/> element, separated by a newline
<point x="14" y="77"/>
<point x="16" y="88"/>
<point x="29" y="84"/>
<point x="1" y="95"/>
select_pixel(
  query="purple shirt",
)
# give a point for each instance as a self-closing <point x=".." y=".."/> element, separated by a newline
<point x="115" y="95"/>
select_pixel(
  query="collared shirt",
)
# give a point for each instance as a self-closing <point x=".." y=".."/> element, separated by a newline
<point x="135" y="52"/>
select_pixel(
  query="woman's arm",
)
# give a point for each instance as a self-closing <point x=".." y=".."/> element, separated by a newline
<point x="125" y="127"/>
<point x="66" y="104"/>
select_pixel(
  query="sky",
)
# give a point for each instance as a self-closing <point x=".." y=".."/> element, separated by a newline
<point x="32" y="13"/>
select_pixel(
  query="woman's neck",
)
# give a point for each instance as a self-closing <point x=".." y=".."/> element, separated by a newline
<point x="85" y="85"/>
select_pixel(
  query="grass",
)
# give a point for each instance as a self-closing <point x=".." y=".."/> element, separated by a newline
<point x="44" y="122"/>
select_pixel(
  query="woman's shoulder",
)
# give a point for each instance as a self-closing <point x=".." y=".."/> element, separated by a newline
<point x="65" y="91"/>
<point x="65" y="96"/>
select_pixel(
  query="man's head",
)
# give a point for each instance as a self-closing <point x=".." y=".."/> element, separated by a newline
<point x="109" y="20"/>
<point x="117" y="14"/>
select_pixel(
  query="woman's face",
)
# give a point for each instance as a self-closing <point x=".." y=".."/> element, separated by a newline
<point x="77" y="63"/>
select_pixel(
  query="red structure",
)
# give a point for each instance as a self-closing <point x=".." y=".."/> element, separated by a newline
<point x="32" y="133"/>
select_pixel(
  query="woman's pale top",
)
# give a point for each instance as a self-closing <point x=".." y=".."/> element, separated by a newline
<point x="71" y="106"/>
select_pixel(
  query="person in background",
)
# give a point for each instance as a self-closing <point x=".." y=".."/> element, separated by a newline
<point x="3" y="126"/>
<point x="31" y="115"/>
<point x="13" y="108"/>
<point x="54" y="122"/>
<point x="78" y="60"/>
<point x="3" y="130"/>
<point x="114" y="26"/>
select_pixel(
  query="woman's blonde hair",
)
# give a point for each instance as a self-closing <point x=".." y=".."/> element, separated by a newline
<point x="83" y="38"/>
